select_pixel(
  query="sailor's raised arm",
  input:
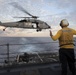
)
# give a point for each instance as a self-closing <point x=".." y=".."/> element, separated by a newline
<point x="51" y="33"/>
<point x="55" y="37"/>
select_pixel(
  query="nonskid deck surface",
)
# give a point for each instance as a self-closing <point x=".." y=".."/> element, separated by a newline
<point x="39" y="64"/>
<point x="33" y="69"/>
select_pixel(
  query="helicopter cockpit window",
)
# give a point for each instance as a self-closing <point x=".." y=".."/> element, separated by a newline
<point x="41" y="25"/>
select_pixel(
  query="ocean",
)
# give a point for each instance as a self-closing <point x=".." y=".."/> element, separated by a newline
<point x="28" y="44"/>
<point x="19" y="45"/>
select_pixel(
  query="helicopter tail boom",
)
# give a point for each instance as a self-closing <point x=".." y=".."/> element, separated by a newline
<point x="0" y="22"/>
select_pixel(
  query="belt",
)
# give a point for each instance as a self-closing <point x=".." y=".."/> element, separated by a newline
<point x="67" y="44"/>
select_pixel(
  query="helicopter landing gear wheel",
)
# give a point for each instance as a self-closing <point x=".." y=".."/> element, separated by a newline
<point x="4" y="29"/>
<point x="38" y="30"/>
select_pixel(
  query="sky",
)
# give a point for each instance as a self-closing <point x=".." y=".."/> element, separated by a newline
<point x="50" y="11"/>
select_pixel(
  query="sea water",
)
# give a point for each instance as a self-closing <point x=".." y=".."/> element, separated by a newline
<point x="19" y="45"/>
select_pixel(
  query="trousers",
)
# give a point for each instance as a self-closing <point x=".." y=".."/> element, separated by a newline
<point x="67" y="58"/>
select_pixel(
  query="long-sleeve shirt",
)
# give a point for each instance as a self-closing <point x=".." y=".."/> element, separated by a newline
<point x="65" y="37"/>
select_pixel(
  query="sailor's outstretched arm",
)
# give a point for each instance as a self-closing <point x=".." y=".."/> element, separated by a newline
<point x="56" y="36"/>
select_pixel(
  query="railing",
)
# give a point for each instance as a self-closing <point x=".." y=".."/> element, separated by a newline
<point x="5" y="57"/>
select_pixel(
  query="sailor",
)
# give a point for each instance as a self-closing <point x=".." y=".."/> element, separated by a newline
<point x="66" y="51"/>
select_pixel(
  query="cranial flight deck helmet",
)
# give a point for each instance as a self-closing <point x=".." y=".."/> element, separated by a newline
<point x="64" y="23"/>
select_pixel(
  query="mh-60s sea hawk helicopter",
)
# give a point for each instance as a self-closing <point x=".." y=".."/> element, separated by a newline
<point x="27" y="23"/>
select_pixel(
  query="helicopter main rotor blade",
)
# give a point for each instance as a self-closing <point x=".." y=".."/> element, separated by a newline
<point x="22" y="17"/>
<point x="16" y="5"/>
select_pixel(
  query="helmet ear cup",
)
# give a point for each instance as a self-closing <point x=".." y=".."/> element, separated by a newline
<point x="60" y="24"/>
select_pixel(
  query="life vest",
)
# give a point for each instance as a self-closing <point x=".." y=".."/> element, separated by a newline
<point x="66" y="37"/>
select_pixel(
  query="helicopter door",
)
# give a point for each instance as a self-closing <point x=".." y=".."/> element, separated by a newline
<point x="28" y="24"/>
<point x="34" y="25"/>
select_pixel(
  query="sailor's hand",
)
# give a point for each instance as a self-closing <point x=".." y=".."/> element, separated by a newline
<point x="51" y="33"/>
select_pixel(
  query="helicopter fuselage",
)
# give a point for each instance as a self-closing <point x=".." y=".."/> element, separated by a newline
<point x="28" y="24"/>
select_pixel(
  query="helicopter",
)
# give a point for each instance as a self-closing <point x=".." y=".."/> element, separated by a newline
<point x="28" y="22"/>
